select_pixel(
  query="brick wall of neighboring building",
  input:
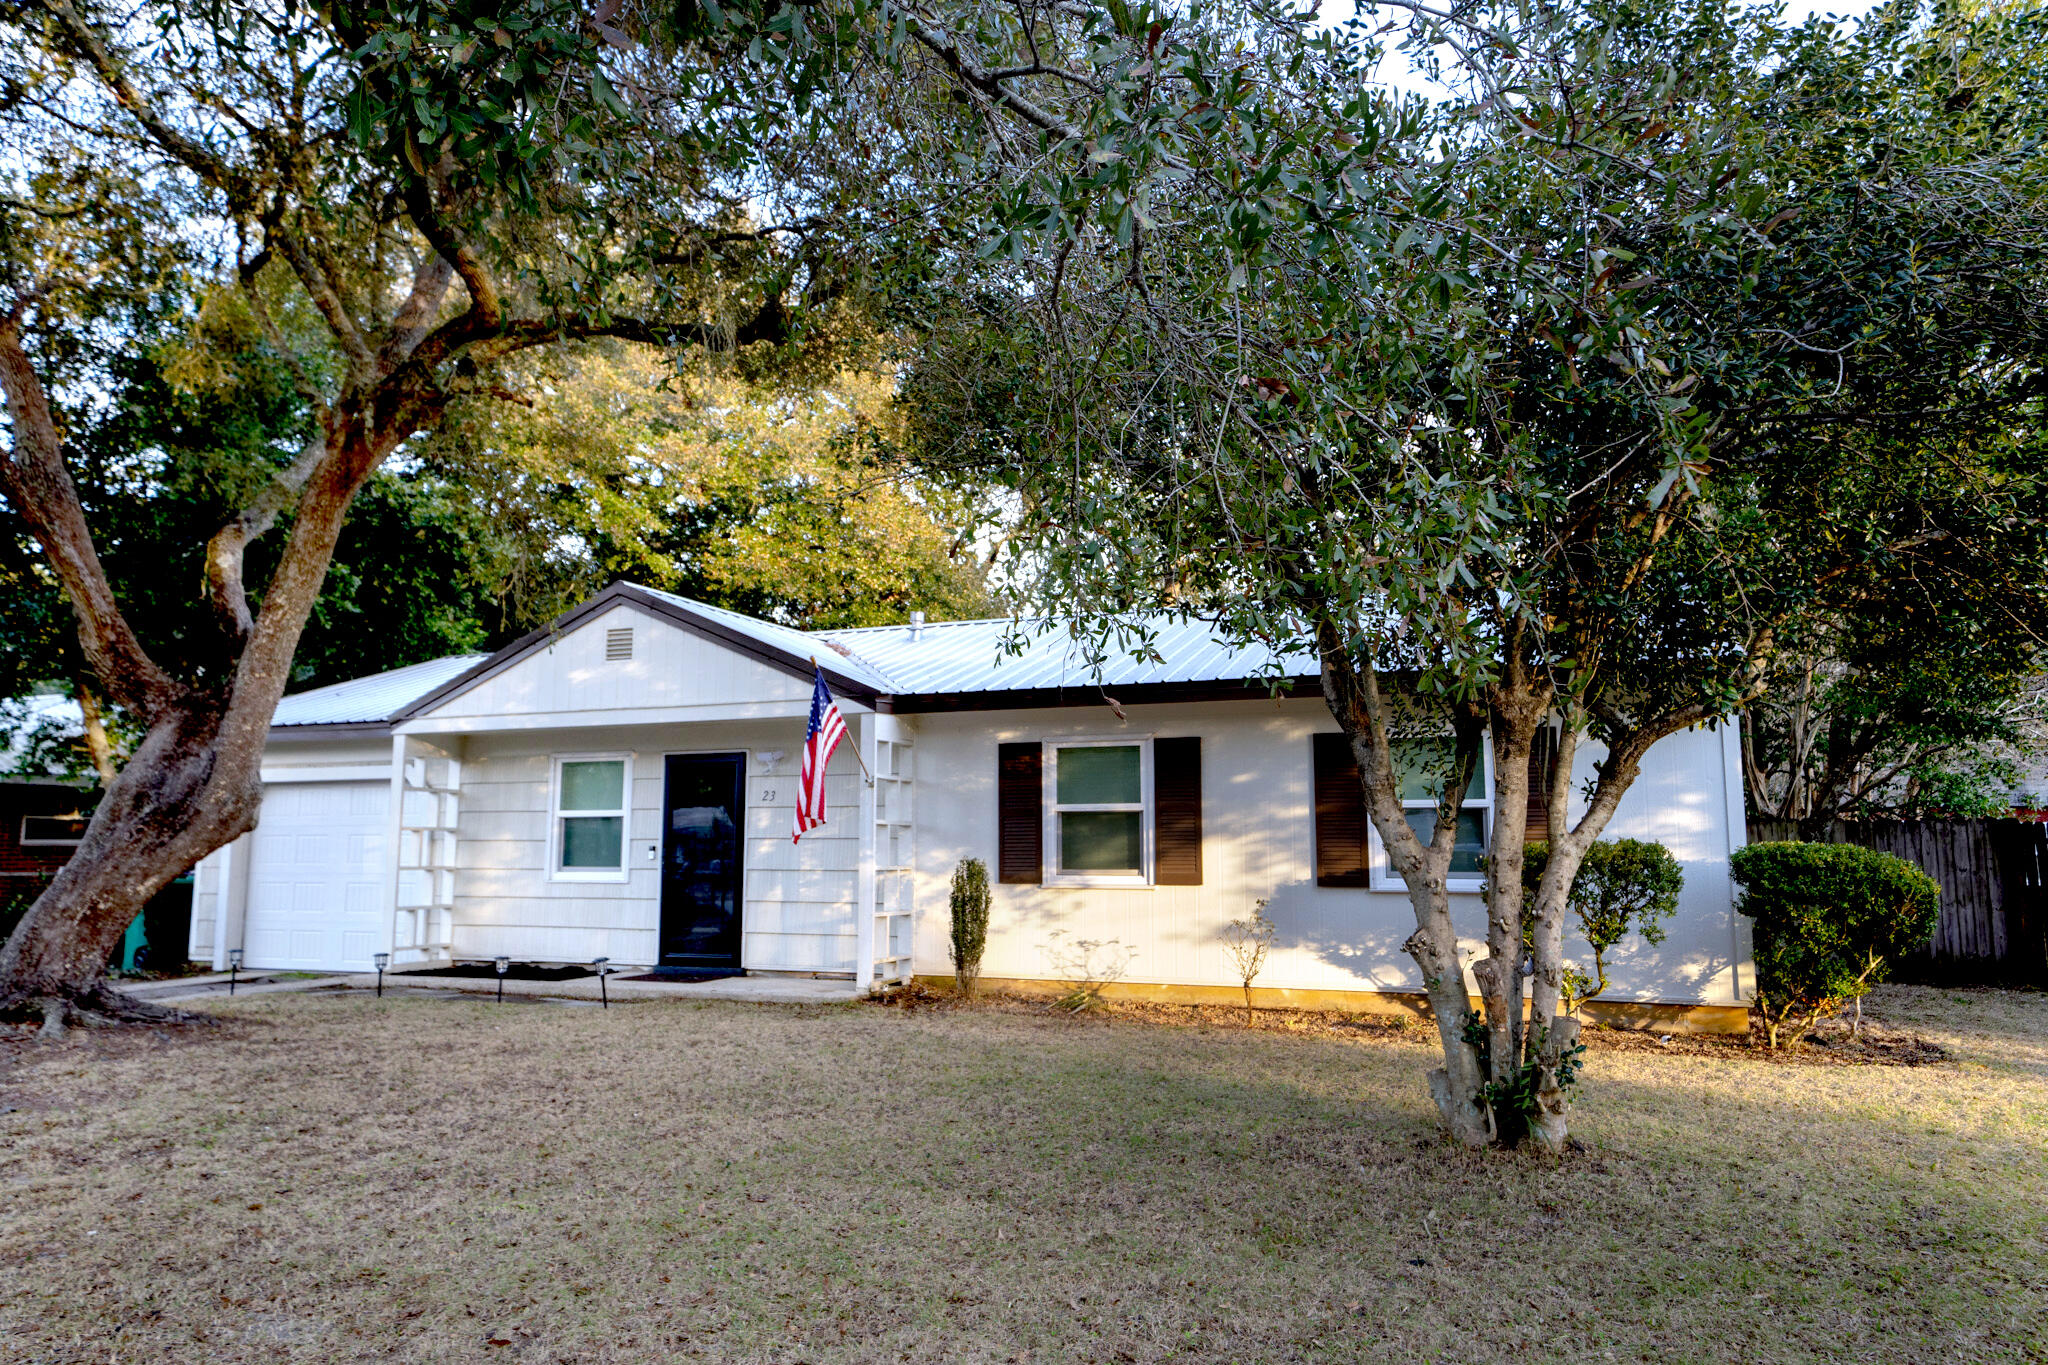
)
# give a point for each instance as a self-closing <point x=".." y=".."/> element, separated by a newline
<point x="18" y="799"/>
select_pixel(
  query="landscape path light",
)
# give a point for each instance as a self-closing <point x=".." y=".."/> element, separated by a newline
<point x="382" y="960"/>
<point x="504" y="965"/>
<point x="234" y="967"/>
<point x="603" y="966"/>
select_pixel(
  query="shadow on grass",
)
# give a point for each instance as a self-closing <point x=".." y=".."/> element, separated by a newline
<point x="420" y="1180"/>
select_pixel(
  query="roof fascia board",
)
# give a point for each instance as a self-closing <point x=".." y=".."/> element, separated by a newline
<point x="1090" y="694"/>
<point x="841" y="685"/>
<point x="330" y="729"/>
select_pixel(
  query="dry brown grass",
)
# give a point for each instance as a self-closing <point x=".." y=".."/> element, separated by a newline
<point x="338" y="1178"/>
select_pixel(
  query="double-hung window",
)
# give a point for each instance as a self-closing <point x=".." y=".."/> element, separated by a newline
<point x="1099" y="812"/>
<point x="588" y="842"/>
<point x="1420" y="766"/>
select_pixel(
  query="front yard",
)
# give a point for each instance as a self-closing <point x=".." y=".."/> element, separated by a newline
<point x="339" y="1178"/>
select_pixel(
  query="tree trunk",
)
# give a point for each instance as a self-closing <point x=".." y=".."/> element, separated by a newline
<point x="1516" y="712"/>
<point x="194" y="782"/>
<point x="176" y="800"/>
<point x="1459" y="1085"/>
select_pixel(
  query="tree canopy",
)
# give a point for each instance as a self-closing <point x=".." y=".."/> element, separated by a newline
<point x="1569" y="400"/>
<point x="763" y="500"/>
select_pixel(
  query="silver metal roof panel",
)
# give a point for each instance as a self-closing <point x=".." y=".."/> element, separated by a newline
<point x="787" y="639"/>
<point x="950" y="657"/>
<point x="367" y="700"/>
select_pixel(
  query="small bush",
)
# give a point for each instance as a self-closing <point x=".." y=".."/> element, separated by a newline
<point x="1248" y="941"/>
<point x="970" y="921"/>
<point x="1829" y="919"/>
<point x="1623" y="884"/>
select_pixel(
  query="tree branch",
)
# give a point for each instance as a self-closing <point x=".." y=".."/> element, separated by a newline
<point x="486" y="311"/>
<point x="35" y="480"/>
<point x="200" y="159"/>
<point x="227" y="552"/>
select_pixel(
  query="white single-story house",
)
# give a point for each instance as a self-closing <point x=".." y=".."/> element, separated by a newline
<point x="621" y="784"/>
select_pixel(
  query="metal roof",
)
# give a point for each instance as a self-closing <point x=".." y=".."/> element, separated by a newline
<point x="936" y="660"/>
<point x="955" y="657"/>
<point x="368" y="700"/>
<point x="788" y="640"/>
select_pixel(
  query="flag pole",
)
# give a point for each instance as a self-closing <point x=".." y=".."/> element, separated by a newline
<point x="856" y="744"/>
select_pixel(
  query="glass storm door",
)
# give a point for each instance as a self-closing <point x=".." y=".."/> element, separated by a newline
<point x="702" y="814"/>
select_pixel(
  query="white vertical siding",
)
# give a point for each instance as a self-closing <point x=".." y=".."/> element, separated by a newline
<point x="1258" y="831"/>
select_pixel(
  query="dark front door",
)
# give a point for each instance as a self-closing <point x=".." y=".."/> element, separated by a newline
<point x="702" y="813"/>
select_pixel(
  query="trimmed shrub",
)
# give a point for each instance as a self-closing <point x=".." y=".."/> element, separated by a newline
<point x="970" y="921"/>
<point x="1623" y="884"/>
<point x="1829" y="920"/>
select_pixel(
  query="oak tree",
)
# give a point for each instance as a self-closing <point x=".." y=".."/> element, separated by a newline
<point x="1555" y="404"/>
<point x="441" y="187"/>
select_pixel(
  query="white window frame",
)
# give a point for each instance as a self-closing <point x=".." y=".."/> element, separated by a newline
<point x="1055" y="875"/>
<point x="558" y="873"/>
<point x="27" y="842"/>
<point x="1382" y="876"/>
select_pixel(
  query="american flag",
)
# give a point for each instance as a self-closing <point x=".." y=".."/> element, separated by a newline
<point x="827" y="729"/>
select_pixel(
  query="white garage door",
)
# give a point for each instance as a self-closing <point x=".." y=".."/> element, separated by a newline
<point x="316" y="875"/>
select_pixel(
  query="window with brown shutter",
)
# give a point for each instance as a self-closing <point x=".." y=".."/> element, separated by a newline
<point x="1020" y="814"/>
<point x="1177" y="811"/>
<point x="1344" y="847"/>
<point x="1340" y="814"/>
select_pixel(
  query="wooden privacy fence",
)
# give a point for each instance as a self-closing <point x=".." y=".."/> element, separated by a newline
<point x="1994" y="890"/>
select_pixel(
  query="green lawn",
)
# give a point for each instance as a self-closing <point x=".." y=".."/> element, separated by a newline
<point x="333" y="1178"/>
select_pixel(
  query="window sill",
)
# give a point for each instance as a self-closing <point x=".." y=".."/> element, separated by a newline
<point x="1083" y="881"/>
<point x="613" y="875"/>
<point x="1454" y="886"/>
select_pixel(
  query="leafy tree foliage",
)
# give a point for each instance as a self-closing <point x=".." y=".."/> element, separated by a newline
<point x="1568" y="401"/>
<point x="967" y="907"/>
<point x="507" y="515"/>
<point x="763" y="500"/>
<point x="408" y="197"/>
<point x="1902" y="723"/>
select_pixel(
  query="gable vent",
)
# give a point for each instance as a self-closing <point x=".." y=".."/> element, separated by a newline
<point x="618" y="643"/>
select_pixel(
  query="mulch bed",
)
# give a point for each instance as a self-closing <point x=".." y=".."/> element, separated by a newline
<point x="1829" y="1045"/>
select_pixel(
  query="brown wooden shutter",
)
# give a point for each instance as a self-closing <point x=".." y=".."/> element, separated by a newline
<point x="1177" y="811"/>
<point x="1020" y="814"/>
<point x="1340" y="814"/>
<point x="1541" y="755"/>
